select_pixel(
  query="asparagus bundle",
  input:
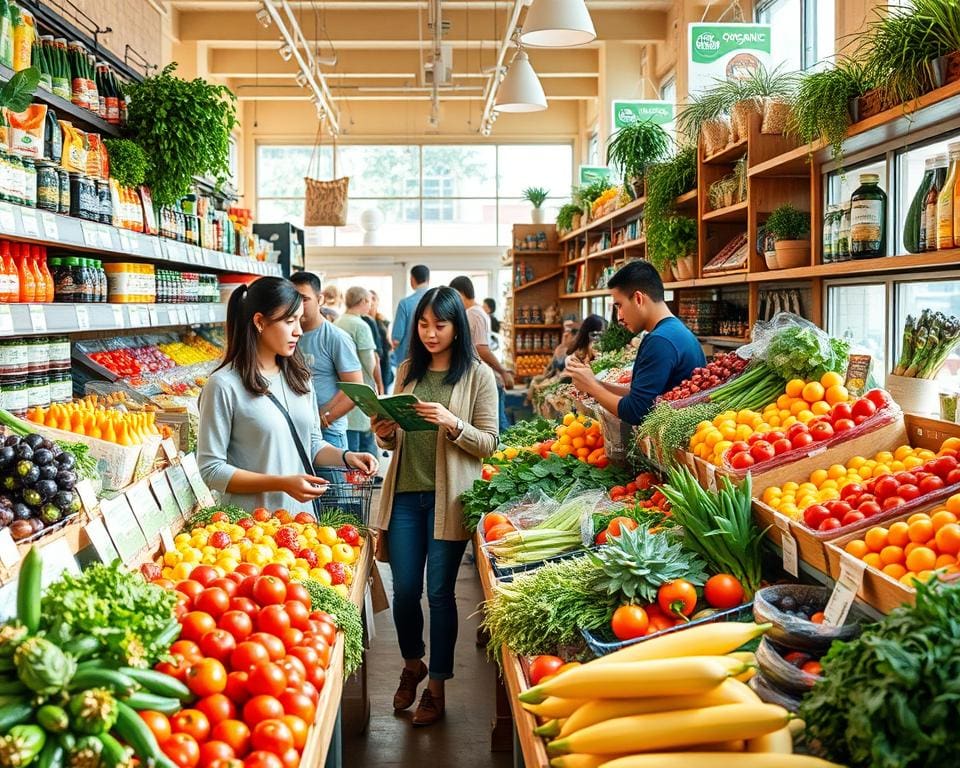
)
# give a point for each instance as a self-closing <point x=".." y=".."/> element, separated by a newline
<point x="927" y="342"/>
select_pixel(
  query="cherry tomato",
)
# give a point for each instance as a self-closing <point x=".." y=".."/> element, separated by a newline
<point x="267" y="680"/>
<point x="261" y="708"/>
<point x="273" y="619"/>
<point x="237" y="623"/>
<point x="206" y="677"/>
<point x="212" y="600"/>
<point x="677" y="598"/>
<point x="629" y="621"/>
<point x="158" y="723"/>
<point x="183" y="749"/>
<point x="235" y="733"/>
<point x="269" y="590"/>
<point x="191" y="721"/>
<point x="218" y="644"/>
<point x="217" y="707"/>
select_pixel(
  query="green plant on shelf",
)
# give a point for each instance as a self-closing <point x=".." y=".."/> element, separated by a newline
<point x="128" y="162"/>
<point x="787" y="223"/>
<point x="565" y="216"/>
<point x="535" y="195"/>
<point x="17" y="93"/>
<point x="677" y="239"/>
<point x="635" y="146"/>
<point x="665" y="182"/>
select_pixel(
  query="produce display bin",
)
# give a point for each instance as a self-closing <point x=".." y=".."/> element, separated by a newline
<point x="504" y="571"/>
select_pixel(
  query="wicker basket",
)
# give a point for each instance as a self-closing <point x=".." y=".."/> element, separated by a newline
<point x="716" y="134"/>
<point x="741" y="113"/>
<point x="776" y="116"/>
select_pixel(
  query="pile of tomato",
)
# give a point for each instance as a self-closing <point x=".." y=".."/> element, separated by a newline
<point x="118" y="361"/>
<point x="255" y="656"/>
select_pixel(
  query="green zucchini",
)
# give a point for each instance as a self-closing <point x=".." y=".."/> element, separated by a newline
<point x="134" y="731"/>
<point x="114" y="754"/>
<point x="82" y="648"/>
<point x="28" y="590"/>
<point x="141" y="700"/>
<point x="52" y="755"/>
<point x="158" y="683"/>
<point x="14" y="714"/>
<point x="99" y="677"/>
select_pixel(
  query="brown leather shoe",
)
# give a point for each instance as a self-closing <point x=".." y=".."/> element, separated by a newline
<point x="407" y="690"/>
<point x="429" y="710"/>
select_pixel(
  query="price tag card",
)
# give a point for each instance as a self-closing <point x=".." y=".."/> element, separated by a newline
<point x="791" y="558"/>
<point x="153" y="315"/>
<point x="122" y="526"/>
<point x="28" y="219"/>
<point x="106" y="238"/>
<point x="200" y="490"/>
<point x="100" y="539"/>
<point x="156" y="249"/>
<point x="845" y="591"/>
<point x="9" y="554"/>
<point x="166" y="539"/>
<point x="169" y="449"/>
<point x="126" y="245"/>
<point x="191" y="315"/>
<point x="182" y="492"/>
<point x="170" y="511"/>
<point x="91" y="236"/>
<point x="51" y="229"/>
<point x="711" y="478"/>
<point x="8" y="220"/>
<point x="57" y="560"/>
<point x="119" y="321"/>
<point x="6" y="318"/>
<point x="211" y="315"/>
<point x="38" y="317"/>
<point x="146" y="510"/>
<point x="88" y="496"/>
<point x="83" y="317"/>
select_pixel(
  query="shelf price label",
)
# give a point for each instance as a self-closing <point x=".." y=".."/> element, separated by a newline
<point x="83" y="317"/>
<point x="8" y="220"/>
<point x="9" y="554"/>
<point x="123" y="527"/>
<point x="845" y="591"/>
<point x="154" y="315"/>
<point x="88" y="496"/>
<point x="6" y="318"/>
<point x="106" y="240"/>
<point x="118" y="320"/>
<point x="156" y="248"/>
<point x="100" y="539"/>
<point x="146" y="510"/>
<point x="90" y="235"/>
<point x="164" y="496"/>
<point x="51" y="229"/>
<point x="169" y="448"/>
<point x="200" y="490"/>
<point x="791" y="558"/>
<point x="31" y="227"/>
<point x="38" y="317"/>
<point x="166" y="539"/>
<point x="182" y="491"/>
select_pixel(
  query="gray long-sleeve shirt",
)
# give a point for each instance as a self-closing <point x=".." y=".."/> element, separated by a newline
<point x="243" y="431"/>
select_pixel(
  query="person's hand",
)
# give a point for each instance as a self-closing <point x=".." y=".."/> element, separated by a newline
<point x="580" y="373"/>
<point x="303" y="487"/>
<point x="508" y="380"/>
<point x="383" y="428"/>
<point x="365" y="462"/>
<point x="434" y="413"/>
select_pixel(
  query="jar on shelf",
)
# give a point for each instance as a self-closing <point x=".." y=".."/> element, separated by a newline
<point x="48" y="186"/>
<point x="64" y="178"/>
<point x="38" y="391"/>
<point x="29" y="183"/>
<point x="38" y="355"/>
<point x="868" y="219"/>
<point x="59" y="353"/>
<point x="13" y="392"/>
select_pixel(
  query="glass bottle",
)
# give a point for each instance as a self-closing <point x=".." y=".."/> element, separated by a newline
<point x="868" y="219"/>
<point x="930" y="209"/>
<point x="919" y="203"/>
<point x="945" y="200"/>
<point x="842" y="252"/>
<point x="828" y="255"/>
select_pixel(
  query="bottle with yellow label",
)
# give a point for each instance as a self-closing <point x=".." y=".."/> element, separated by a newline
<point x="945" y="206"/>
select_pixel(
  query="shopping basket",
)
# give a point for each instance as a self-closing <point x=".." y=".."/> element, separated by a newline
<point x="350" y="490"/>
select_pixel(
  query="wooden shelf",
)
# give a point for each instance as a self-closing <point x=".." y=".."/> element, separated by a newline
<point x="535" y="351"/>
<point x="686" y="201"/>
<point x="729" y="154"/>
<point x="536" y="326"/>
<point x="638" y="242"/>
<point x="793" y="163"/>
<point x="720" y="341"/>
<point x="585" y="294"/>
<point x="730" y="278"/>
<point x="633" y="206"/>
<point x="735" y="213"/>
<point x="910" y="261"/>
<point x="514" y="252"/>
<point x="537" y="281"/>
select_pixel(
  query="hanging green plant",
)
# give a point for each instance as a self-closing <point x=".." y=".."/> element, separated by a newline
<point x="634" y="147"/>
<point x="665" y="182"/>
<point x="128" y="162"/>
<point x="565" y="216"/>
<point x="184" y="126"/>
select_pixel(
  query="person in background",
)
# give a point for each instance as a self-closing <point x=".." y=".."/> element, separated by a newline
<point x="400" y="335"/>
<point x="245" y="450"/>
<point x="480" y="331"/>
<point x="331" y="303"/>
<point x="331" y="356"/>
<point x="554" y="369"/>
<point x="582" y="345"/>
<point x="490" y="307"/>
<point x="382" y="337"/>
<point x="352" y="322"/>
<point x="668" y="353"/>
<point x="420" y="517"/>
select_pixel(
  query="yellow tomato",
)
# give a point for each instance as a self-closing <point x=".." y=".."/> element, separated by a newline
<point x="795" y="387"/>
<point x="820" y="407"/>
<point x="171" y="557"/>
<point x="812" y="392"/>
<point x="182" y="571"/>
<point x="791" y="486"/>
<point x="837" y="394"/>
<point x="836" y="471"/>
<point x="831" y="379"/>
<point x="343" y="553"/>
<point x="324" y="554"/>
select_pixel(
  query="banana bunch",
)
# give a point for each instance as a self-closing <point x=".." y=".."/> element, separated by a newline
<point x="675" y="700"/>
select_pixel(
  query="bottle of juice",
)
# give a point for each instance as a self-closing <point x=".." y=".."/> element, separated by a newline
<point x="47" y="276"/>
<point x="24" y="32"/>
<point x="9" y="281"/>
<point x="39" y="282"/>
<point x="945" y="200"/>
<point x="21" y="256"/>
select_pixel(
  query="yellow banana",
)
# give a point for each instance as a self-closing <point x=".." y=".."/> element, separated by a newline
<point x="780" y="742"/>
<point x="669" y="730"/>
<point x="580" y="761"/>
<point x="720" y="760"/>
<point x="549" y="729"/>
<point x="657" y="677"/>
<point x="704" y="640"/>
<point x="796" y="726"/>
<point x="728" y="692"/>
<point x="747" y="658"/>
<point x="554" y="707"/>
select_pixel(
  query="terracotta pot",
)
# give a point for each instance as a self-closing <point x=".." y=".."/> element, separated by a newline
<point x="666" y="274"/>
<point x="575" y="221"/>
<point x="770" y="257"/>
<point x="793" y="253"/>
<point x="684" y="268"/>
<point x="871" y="103"/>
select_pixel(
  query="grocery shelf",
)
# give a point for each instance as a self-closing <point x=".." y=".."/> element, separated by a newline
<point x="727" y="278"/>
<point x="796" y="162"/>
<point x="720" y="341"/>
<point x="729" y="154"/>
<point x="586" y="294"/>
<point x="735" y="212"/>
<point x="634" y="206"/>
<point x="40" y="319"/>
<point x="52" y="229"/>
<point x="537" y="281"/>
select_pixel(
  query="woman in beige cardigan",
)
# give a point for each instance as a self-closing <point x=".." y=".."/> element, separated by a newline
<point x="420" y="517"/>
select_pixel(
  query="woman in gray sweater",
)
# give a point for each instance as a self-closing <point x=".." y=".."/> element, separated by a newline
<point x="245" y="448"/>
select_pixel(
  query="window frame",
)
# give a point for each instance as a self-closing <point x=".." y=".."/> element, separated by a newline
<point x="809" y="17"/>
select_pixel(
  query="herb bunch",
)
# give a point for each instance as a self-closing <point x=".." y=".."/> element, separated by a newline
<point x="347" y="617"/>
<point x="670" y="429"/>
<point x="128" y="162"/>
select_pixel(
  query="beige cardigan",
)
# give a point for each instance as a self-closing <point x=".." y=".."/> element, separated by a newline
<point x="474" y="399"/>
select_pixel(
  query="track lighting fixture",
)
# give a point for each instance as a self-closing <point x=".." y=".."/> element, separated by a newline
<point x="286" y="52"/>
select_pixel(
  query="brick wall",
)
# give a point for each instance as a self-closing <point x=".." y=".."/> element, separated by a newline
<point x="134" y="22"/>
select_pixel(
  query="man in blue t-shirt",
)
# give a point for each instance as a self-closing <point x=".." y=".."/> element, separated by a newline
<point x="406" y="309"/>
<point x="331" y="356"/>
<point x="667" y="355"/>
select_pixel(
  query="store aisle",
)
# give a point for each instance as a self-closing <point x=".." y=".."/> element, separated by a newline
<point x="462" y="738"/>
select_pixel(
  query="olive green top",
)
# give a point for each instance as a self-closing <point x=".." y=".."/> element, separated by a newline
<point x="418" y="459"/>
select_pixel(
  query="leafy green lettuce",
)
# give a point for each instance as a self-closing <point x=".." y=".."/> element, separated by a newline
<point x="806" y="353"/>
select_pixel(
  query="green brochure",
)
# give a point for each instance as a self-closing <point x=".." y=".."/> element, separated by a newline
<point x="399" y="408"/>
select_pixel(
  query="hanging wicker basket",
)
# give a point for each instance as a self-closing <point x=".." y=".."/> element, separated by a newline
<point x="326" y="202"/>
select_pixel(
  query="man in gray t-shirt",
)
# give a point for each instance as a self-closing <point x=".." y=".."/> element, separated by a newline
<point x="331" y="356"/>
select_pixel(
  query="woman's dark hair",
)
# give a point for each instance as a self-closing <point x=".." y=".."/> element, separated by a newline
<point x="446" y="305"/>
<point x="276" y="299"/>
<point x="581" y="341"/>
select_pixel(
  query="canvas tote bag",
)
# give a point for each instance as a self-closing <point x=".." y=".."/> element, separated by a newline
<point x="326" y="201"/>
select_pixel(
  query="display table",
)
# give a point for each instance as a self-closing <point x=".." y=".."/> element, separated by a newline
<point x="528" y="748"/>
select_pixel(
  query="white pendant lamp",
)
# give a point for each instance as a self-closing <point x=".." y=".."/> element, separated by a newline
<point x="520" y="90"/>
<point x="557" y="24"/>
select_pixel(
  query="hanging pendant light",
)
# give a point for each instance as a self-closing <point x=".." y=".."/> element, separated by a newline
<point x="558" y="24"/>
<point x="520" y="90"/>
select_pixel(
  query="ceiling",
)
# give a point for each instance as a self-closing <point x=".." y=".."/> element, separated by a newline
<point x="382" y="47"/>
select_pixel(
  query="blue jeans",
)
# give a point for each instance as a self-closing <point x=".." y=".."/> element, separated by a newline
<point x="501" y="397"/>
<point x="336" y="439"/>
<point x="411" y="547"/>
<point x="362" y="442"/>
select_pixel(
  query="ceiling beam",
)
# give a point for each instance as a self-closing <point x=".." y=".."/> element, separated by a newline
<point x="385" y="89"/>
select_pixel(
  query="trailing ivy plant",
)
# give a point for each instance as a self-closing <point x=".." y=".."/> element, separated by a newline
<point x="128" y="162"/>
<point x="665" y="182"/>
<point x="184" y="126"/>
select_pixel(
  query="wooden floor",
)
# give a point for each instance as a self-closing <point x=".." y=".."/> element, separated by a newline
<point x="462" y="738"/>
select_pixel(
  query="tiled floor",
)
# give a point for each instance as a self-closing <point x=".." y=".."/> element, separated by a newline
<point x="462" y="739"/>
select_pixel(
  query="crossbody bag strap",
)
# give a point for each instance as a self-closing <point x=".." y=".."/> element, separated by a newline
<point x="307" y="464"/>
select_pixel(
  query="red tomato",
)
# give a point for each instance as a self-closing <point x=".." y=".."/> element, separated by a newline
<point x="850" y="489"/>
<point x="774" y="435"/>
<point x="297" y="612"/>
<point x="677" y="598"/>
<point x="842" y="425"/>
<point x="761" y="451"/>
<point x="954" y="477"/>
<point x="195" y="625"/>
<point x="296" y="591"/>
<point x="245" y="587"/>
<point x="908" y="492"/>
<point x="311" y="690"/>
<point x="723" y="591"/>
<point x="158" y="724"/>
<point x="191" y="588"/>
<point x="247" y="655"/>
<point x="235" y="577"/>
<point x="830" y="524"/>
<point x="237" y="623"/>
<point x="279" y="571"/>
<point x="182" y="748"/>
<point x="191" y="721"/>
<point x="263" y="759"/>
<point x="206" y="677"/>
<point x="235" y="733"/>
<point x="821" y="431"/>
<point x="892" y="502"/>
<point x="629" y="621"/>
<point x="267" y="680"/>
<point x="802" y="440"/>
<point x="738" y="447"/>
<point x="298" y="726"/>
<point x="236" y="689"/>
<point x="944" y="466"/>
<point x="795" y="429"/>
<point x="218" y="644"/>
<point x="246" y="605"/>
<point x="840" y="411"/>
<point x="294" y="669"/>
<point x="742" y="461"/>
<point x="307" y="655"/>
<point x="837" y="508"/>
<point x="227" y="584"/>
<point x="782" y="446"/>
<point x="317" y="677"/>
<point x="261" y="708"/>
<point x="272" y="643"/>
<point x="269" y="590"/>
<point x="272" y="735"/>
<point x="864" y="407"/>
<point x="869" y="508"/>
<point x="327" y="631"/>
<point x="542" y="666"/>
<point x="906" y="478"/>
<point x="204" y="574"/>
<point x="273" y="619"/>
<point x="176" y="667"/>
<point x="618" y="524"/>
<point x="814" y="515"/>
<point x="854" y="516"/>
<point x="754" y="438"/>
<point x="878" y="397"/>
<point x="887" y="485"/>
<point x="300" y="705"/>
<point x="248" y="569"/>
<point x="930" y="484"/>
<point x="292" y="637"/>
<point x="212" y="751"/>
<point x="217" y="707"/>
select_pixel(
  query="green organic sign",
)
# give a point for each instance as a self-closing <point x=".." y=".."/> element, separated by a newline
<point x="710" y="42"/>
<point x="592" y="173"/>
<point x="629" y="112"/>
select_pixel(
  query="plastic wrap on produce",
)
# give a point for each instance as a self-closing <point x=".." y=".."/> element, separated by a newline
<point x="769" y="343"/>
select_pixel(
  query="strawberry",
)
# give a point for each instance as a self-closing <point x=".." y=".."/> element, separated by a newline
<point x="338" y="574"/>
<point x="246" y="523"/>
<point x="287" y="538"/>
<point x="220" y="539"/>
<point x="310" y="556"/>
<point x="349" y="534"/>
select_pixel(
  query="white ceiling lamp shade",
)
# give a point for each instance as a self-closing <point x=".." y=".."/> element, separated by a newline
<point x="557" y="24"/>
<point x="520" y="90"/>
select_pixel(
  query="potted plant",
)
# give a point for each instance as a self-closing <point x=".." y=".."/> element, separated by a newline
<point x="944" y="18"/>
<point x="585" y="196"/>
<point x="790" y="229"/>
<point x="764" y="92"/>
<point x="535" y="196"/>
<point x="633" y="148"/>
<point x="677" y="247"/>
<point x="706" y="117"/>
<point x="565" y="217"/>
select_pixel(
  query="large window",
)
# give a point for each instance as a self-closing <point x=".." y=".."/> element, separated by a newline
<point x="803" y="31"/>
<point x="417" y="194"/>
